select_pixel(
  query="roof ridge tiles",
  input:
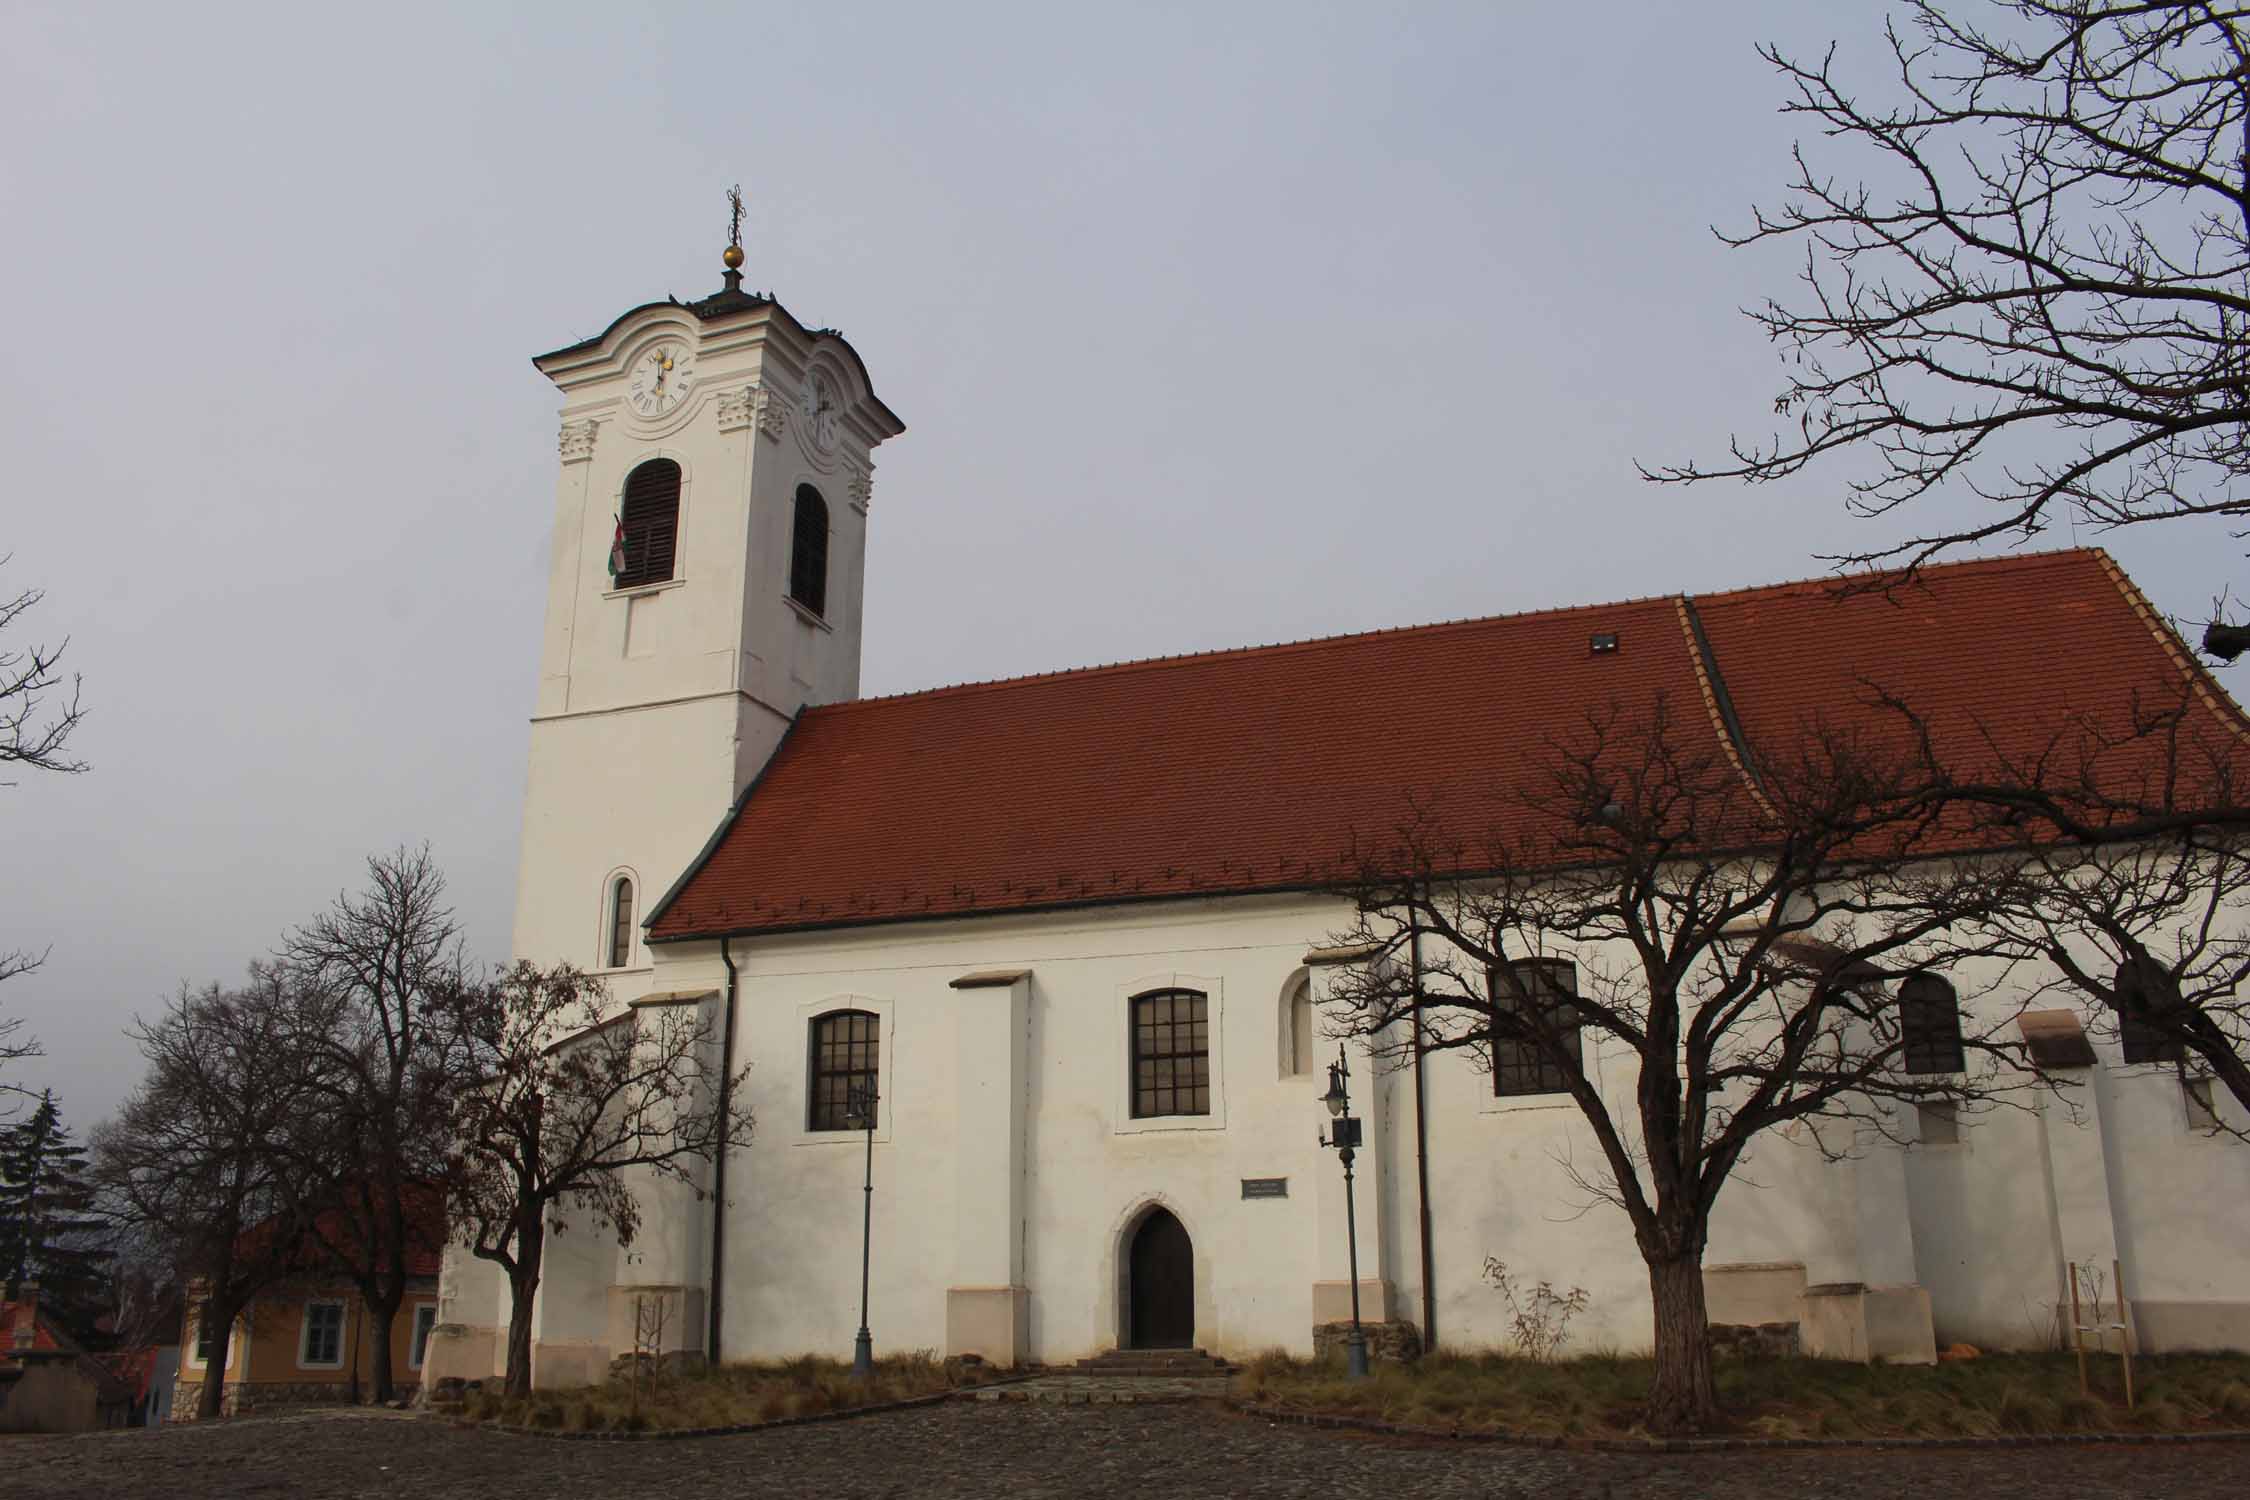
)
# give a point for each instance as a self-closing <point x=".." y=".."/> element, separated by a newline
<point x="1462" y="622"/>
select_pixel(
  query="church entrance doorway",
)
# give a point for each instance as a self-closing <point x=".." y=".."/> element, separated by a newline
<point x="1161" y="1282"/>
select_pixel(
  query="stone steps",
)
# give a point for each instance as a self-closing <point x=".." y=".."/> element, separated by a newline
<point x="1157" y="1362"/>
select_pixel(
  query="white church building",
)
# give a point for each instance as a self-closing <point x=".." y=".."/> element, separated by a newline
<point x="1070" y="928"/>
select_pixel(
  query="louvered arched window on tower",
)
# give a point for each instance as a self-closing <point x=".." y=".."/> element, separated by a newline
<point x="808" y="551"/>
<point x="648" y="526"/>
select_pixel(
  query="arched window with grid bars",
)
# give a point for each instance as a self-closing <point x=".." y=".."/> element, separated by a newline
<point x="845" y="1060"/>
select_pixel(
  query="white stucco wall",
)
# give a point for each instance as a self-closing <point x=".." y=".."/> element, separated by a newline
<point x="1039" y="1191"/>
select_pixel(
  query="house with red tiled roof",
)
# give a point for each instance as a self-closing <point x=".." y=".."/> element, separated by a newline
<point x="48" y="1382"/>
<point x="1052" y="953"/>
<point x="310" y="1336"/>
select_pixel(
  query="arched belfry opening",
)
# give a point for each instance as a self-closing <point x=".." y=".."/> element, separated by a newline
<point x="1160" y="1284"/>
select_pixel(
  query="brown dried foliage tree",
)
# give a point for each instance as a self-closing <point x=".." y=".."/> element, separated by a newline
<point x="561" y="1107"/>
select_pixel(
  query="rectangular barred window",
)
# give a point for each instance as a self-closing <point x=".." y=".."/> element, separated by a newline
<point x="324" y="1335"/>
<point x="1171" y="1054"/>
<point x="1520" y="1067"/>
<point x="846" y="1056"/>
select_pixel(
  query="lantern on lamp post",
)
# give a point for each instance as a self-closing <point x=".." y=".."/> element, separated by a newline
<point x="1343" y="1135"/>
<point x="859" y="1109"/>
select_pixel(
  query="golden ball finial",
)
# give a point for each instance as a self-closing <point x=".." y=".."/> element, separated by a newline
<point x="733" y="257"/>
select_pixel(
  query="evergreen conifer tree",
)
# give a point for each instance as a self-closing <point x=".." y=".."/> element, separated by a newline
<point x="48" y="1230"/>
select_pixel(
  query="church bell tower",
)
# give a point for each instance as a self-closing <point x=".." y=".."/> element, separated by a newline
<point x="710" y="544"/>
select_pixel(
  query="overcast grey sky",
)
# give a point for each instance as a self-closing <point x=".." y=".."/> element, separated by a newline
<point x="1211" y="325"/>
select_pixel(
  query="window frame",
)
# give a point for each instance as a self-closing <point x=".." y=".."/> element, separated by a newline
<point x="815" y="1073"/>
<point x="419" y="1333"/>
<point x="199" y="1347"/>
<point x="800" y="549"/>
<point x="1520" y="1058"/>
<point x="633" y="579"/>
<point x="1299" y="1030"/>
<point x="618" y="943"/>
<point x="2139" y="1041"/>
<point x="305" y="1361"/>
<point x="1929" y="1026"/>
<point x="1201" y="1055"/>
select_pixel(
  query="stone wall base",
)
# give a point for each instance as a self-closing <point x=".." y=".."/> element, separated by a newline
<point x="1754" y="1340"/>
<point x="243" y="1396"/>
<point x="1394" y="1342"/>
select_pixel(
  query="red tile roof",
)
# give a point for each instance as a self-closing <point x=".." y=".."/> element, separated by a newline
<point x="1253" y="770"/>
<point x="425" y="1228"/>
<point x="43" y="1334"/>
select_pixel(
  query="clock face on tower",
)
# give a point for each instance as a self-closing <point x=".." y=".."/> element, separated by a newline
<point x="660" y="379"/>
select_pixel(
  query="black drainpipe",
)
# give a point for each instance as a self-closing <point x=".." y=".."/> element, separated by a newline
<point x="1422" y="1144"/>
<point x="719" y="1165"/>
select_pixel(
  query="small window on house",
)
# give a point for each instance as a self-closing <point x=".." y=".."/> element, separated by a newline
<point x="648" y="526"/>
<point x="1171" y="1054"/>
<point x="322" y="1343"/>
<point x="1302" y="1038"/>
<point x="1938" y="1122"/>
<point x="1929" y="1024"/>
<point x="2145" y="996"/>
<point x="418" y="1347"/>
<point x="203" y="1339"/>
<point x="808" y="551"/>
<point x="1521" y="1067"/>
<point x="846" y="1057"/>
<point x="2202" y="1107"/>
<point x="617" y="950"/>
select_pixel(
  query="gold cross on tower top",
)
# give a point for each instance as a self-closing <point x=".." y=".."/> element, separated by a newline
<point x="733" y="256"/>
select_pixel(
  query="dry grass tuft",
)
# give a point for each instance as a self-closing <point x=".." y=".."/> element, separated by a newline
<point x="727" y="1397"/>
<point x="1601" y="1396"/>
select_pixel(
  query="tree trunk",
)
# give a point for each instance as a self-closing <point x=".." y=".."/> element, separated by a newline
<point x="210" y="1402"/>
<point x="523" y="1285"/>
<point x="380" y="1316"/>
<point x="1683" y="1398"/>
<point x="521" y="1289"/>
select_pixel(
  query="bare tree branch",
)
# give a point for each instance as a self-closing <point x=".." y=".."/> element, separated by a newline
<point x="2040" y="297"/>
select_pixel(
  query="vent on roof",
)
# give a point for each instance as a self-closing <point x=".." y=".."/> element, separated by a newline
<point x="1604" y="643"/>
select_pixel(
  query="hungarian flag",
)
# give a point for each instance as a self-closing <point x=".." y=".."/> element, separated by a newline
<point x="617" y="550"/>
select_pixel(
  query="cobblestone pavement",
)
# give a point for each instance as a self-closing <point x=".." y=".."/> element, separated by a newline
<point x="1147" y="1452"/>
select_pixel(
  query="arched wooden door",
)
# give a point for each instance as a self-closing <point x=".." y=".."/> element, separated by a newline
<point x="1162" y="1280"/>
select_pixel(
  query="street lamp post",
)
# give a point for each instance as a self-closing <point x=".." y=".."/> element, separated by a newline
<point x="1344" y="1136"/>
<point x="859" y="1106"/>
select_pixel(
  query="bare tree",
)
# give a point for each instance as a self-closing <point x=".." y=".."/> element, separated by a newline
<point x="1733" y="945"/>
<point x="2152" y="936"/>
<point x="34" y="732"/>
<point x="2040" y="297"/>
<point x="382" y="956"/>
<point x="560" y="1107"/>
<point x="2132" y="891"/>
<point x="201" y="1158"/>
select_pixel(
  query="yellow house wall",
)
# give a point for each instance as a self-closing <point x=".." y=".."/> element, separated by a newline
<point x="272" y="1333"/>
